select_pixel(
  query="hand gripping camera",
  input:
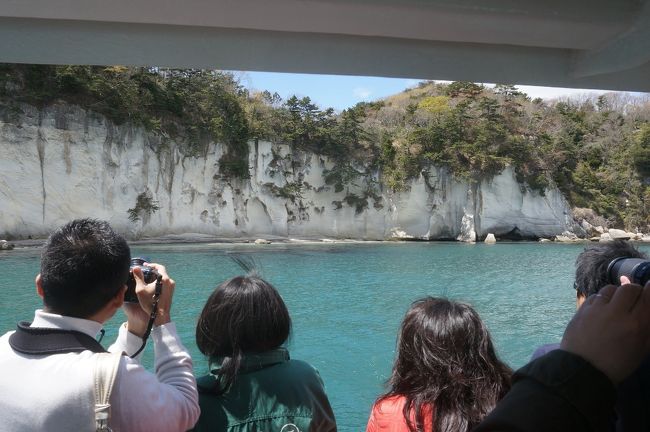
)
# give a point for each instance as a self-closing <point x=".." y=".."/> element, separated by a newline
<point x="636" y="269"/>
<point x="150" y="274"/>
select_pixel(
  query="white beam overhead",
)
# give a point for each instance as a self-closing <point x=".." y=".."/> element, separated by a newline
<point x="628" y="50"/>
<point x="570" y="43"/>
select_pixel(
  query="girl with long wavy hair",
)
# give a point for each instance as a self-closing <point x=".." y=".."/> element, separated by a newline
<point x="446" y="376"/>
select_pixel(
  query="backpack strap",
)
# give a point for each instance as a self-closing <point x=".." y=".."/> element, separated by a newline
<point x="106" y="367"/>
<point x="45" y="341"/>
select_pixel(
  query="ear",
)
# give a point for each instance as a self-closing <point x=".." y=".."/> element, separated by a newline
<point x="580" y="299"/>
<point x="118" y="300"/>
<point x="109" y="309"/>
<point x="39" y="286"/>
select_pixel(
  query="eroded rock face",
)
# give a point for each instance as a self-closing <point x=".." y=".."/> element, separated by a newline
<point x="62" y="163"/>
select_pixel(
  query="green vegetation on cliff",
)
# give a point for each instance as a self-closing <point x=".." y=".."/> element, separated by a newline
<point x="597" y="151"/>
<point x="192" y="106"/>
<point x="145" y="206"/>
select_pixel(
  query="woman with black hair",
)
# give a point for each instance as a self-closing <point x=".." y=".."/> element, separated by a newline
<point x="446" y="377"/>
<point x="253" y="385"/>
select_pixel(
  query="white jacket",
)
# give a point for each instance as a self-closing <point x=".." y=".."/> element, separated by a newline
<point x="55" y="392"/>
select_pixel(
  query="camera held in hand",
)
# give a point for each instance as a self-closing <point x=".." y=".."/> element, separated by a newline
<point x="149" y="273"/>
<point x="636" y="269"/>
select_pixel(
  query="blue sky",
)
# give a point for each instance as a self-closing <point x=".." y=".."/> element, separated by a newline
<point x="340" y="92"/>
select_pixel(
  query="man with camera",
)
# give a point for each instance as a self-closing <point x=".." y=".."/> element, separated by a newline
<point x="606" y="264"/>
<point x="50" y="367"/>
<point x="574" y="388"/>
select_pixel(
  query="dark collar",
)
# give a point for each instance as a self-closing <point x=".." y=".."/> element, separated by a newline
<point x="253" y="361"/>
<point x="45" y="341"/>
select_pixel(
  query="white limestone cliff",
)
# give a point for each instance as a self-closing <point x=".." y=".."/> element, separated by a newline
<point x="63" y="162"/>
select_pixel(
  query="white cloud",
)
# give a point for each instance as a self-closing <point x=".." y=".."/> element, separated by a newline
<point x="361" y="93"/>
<point x="549" y="92"/>
<point x="556" y="92"/>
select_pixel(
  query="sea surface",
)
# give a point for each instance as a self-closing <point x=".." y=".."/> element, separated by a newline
<point x="347" y="300"/>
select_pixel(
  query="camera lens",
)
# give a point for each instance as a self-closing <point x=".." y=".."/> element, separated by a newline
<point x="137" y="262"/>
<point x="636" y="269"/>
<point x="148" y="273"/>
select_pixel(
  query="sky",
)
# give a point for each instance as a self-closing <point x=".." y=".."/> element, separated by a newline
<point x="341" y="92"/>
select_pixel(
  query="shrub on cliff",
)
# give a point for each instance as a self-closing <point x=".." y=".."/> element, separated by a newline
<point x="144" y="207"/>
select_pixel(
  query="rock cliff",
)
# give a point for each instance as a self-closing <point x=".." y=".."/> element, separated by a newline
<point x="63" y="162"/>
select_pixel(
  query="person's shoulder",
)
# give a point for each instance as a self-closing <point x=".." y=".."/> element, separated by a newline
<point x="388" y="414"/>
<point x="390" y="405"/>
<point x="300" y="364"/>
<point x="544" y="349"/>
<point x="296" y="373"/>
<point x="299" y="368"/>
<point x="4" y="340"/>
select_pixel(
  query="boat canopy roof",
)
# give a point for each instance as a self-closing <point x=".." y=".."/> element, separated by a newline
<point x="600" y="44"/>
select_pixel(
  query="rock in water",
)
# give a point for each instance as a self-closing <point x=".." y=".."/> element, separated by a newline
<point x="617" y="234"/>
<point x="490" y="239"/>
<point x="262" y="241"/>
<point x="5" y="245"/>
<point x="605" y="237"/>
<point x="567" y="237"/>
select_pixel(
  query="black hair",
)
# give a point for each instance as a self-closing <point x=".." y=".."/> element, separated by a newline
<point x="84" y="264"/>
<point x="592" y="264"/>
<point x="244" y="314"/>
<point x="446" y="361"/>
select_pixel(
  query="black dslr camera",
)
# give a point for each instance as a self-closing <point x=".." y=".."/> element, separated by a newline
<point x="150" y="274"/>
<point x="636" y="269"/>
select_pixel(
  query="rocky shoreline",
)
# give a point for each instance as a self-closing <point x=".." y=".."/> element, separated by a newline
<point x="585" y="221"/>
<point x="205" y="239"/>
<point x="606" y="236"/>
<point x="196" y="238"/>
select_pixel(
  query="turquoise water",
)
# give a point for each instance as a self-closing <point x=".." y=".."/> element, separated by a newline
<point x="346" y="300"/>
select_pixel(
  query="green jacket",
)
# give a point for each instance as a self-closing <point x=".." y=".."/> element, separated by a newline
<point x="271" y="394"/>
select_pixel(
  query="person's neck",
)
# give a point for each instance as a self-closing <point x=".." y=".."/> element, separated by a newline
<point x="89" y="318"/>
<point x="51" y="319"/>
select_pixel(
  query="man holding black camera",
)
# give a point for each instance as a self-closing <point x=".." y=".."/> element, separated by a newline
<point x="574" y="388"/>
<point x="606" y="264"/>
<point x="49" y="367"/>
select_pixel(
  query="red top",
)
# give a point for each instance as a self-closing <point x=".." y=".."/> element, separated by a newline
<point x="388" y="416"/>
